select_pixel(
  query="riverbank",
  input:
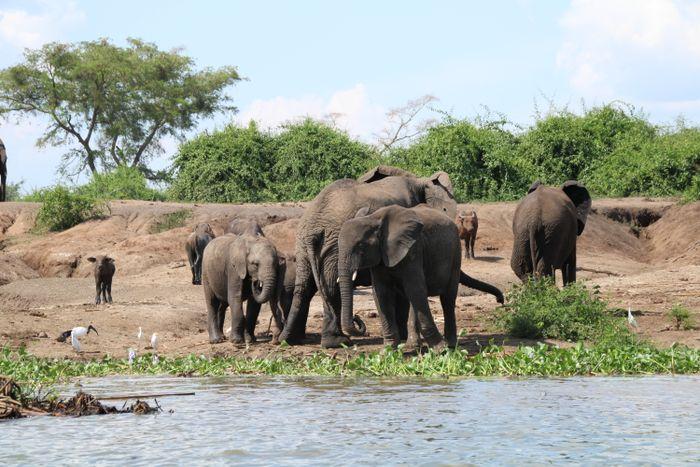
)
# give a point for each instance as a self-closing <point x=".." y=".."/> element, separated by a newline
<point x="538" y="360"/>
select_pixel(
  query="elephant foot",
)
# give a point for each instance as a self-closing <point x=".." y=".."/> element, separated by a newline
<point x="217" y="339"/>
<point x="237" y="340"/>
<point x="436" y="341"/>
<point x="292" y="338"/>
<point x="391" y="342"/>
<point x="250" y="338"/>
<point x="439" y="347"/>
<point x="412" y="345"/>
<point x="334" y="342"/>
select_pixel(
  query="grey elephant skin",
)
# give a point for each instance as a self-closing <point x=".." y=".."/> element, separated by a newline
<point x="195" y="244"/>
<point x="546" y="225"/>
<point x="467" y="225"/>
<point x="3" y="172"/>
<point x="412" y="254"/>
<point x="244" y="227"/>
<point x="103" y="271"/>
<point x="317" y="239"/>
<point x="238" y="269"/>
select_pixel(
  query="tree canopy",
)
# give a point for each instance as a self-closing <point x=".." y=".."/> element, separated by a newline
<point x="112" y="105"/>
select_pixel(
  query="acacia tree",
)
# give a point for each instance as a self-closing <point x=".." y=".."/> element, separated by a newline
<point x="112" y="105"/>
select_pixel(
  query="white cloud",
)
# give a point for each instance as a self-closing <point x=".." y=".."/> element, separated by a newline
<point x="350" y="109"/>
<point x="643" y="50"/>
<point x="20" y="28"/>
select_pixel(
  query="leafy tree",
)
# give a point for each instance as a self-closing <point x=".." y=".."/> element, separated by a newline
<point x="232" y="165"/>
<point x="310" y="154"/>
<point x="112" y="105"/>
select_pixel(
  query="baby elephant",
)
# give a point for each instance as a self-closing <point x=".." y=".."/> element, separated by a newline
<point x="104" y="271"/>
<point x="244" y="226"/>
<point x="467" y="226"/>
<point x="195" y="244"/>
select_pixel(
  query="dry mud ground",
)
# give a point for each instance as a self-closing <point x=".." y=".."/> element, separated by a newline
<point x="643" y="253"/>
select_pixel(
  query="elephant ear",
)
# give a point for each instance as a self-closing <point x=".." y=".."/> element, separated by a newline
<point x="401" y="229"/>
<point x="239" y="257"/>
<point x="534" y="186"/>
<point x="383" y="171"/>
<point x="579" y="195"/>
<point x="362" y="212"/>
<point x="442" y="179"/>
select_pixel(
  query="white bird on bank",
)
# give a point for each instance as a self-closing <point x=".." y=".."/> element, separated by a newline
<point x="630" y="318"/>
<point x="139" y="335"/>
<point x="154" y="342"/>
<point x="80" y="331"/>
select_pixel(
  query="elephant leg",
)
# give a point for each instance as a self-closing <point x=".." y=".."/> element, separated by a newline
<point x="331" y="335"/>
<point x="417" y="294"/>
<point x="98" y="292"/>
<point x="447" y="300"/>
<point x="385" y="302"/>
<point x="216" y="311"/>
<point x="401" y="314"/>
<point x="413" y="339"/>
<point x="471" y="246"/>
<point x="466" y="247"/>
<point x="304" y="290"/>
<point x="109" y="291"/>
<point x="569" y="269"/>
<point x="251" y="319"/>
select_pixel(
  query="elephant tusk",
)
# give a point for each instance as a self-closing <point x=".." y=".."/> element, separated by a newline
<point x="354" y="276"/>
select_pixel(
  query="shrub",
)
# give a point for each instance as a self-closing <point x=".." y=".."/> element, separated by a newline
<point x="539" y="309"/>
<point x="12" y="191"/>
<point x="124" y="182"/>
<point x="310" y="154"/>
<point x="232" y="165"/>
<point x="62" y="208"/>
<point x="681" y="317"/>
<point x="171" y="220"/>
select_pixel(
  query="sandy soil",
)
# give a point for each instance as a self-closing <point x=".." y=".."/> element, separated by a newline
<point x="643" y="253"/>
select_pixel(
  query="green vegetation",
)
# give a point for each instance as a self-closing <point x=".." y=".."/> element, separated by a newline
<point x="171" y="220"/>
<point x="122" y="183"/>
<point x="63" y="208"/>
<point x="681" y="317"/>
<point x="540" y="360"/>
<point x="237" y="165"/>
<point x="13" y="191"/>
<point x="112" y="105"/>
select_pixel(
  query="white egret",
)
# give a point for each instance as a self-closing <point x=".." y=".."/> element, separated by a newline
<point x="80" y="331"/>
<point x="630" y="318"/>
<point x="154" y="342"/>
<point x="139" y="335"/>
<point x="155" y="359"/>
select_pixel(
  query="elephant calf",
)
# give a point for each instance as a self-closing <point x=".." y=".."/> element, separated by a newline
<point x="244" y="226"/>
<point x="104" y="271"/>
<point x="546" y="224"/>
<point x="238" y="269"/>
<point x="467" y="225"/>
<point x="194" y="246"/>
<point x="413" y="253"/>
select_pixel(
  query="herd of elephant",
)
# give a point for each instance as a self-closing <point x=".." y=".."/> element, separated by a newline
<point x="389" y="229"/>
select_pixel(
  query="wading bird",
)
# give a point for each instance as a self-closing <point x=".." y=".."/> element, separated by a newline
<point x="630" y="318"/>
<point x="154" y="342"/>
<point x="80" y="331"/>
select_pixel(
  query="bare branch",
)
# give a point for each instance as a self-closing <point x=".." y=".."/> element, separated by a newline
<point x="401" y="125"/>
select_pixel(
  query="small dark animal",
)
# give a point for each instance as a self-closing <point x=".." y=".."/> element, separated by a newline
<point x="467" y="224"/>
<point x="104" y="271"/>
<point x="244" y="227"/>
<point x="194" y="246"/>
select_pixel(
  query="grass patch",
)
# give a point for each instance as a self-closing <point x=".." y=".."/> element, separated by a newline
<point x="539" y="309"/>
<point x="171" y="220"/>
<point x="681" y="317"/>
<point x="540" y="360"/>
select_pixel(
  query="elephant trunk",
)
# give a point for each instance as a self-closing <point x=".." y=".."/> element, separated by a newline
<point x="345" y="281"/>
<point x="263" y="289"/>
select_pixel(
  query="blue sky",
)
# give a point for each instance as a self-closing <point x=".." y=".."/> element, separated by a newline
<point x="362" y="58"/>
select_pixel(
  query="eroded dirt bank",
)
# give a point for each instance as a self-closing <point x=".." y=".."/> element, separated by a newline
<point x="642" y="253"/>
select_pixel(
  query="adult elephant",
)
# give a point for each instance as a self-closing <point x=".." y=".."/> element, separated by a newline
<point x="545" y="227"/>
<point x="3" y="171"/>
<point x="317" y="240"/>
<point x="412" y="254"/>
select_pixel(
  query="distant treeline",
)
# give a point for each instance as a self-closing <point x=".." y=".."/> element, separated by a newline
<point x="613" y="150"/>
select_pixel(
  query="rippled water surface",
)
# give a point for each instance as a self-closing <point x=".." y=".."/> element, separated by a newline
<point x="256" y="420"/>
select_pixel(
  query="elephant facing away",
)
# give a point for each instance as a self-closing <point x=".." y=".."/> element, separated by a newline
<point x="239" y="269"/>
<point x="194" y="246"/>
<point x="3" y="172"/>
<point x="317" y="239"/>
<point x="412" y="254"/>
<point x="244" y="226"/>
<point x="545" y="227"/>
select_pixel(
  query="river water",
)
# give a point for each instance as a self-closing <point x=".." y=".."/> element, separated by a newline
<point x="333" y="421"/>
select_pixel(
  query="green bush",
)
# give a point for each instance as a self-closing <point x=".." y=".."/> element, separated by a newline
<point x="171" y="220"/>
<point x="62" y="208"/>
<point x="309" y="155"/>
<point x="12" y="191"/>
<point x="681" y="317"/>
<point x="122" y="183"/>
<point x="539" y="309"/>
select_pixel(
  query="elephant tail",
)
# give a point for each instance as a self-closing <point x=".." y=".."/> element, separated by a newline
<point x="469" y="281"/>
<point x="536" y="248"/>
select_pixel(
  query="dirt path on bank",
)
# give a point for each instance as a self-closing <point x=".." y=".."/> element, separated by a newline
<point x="642" y="253"/>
